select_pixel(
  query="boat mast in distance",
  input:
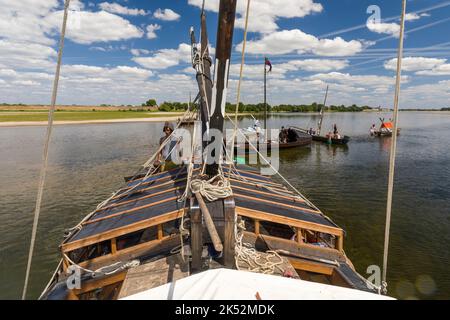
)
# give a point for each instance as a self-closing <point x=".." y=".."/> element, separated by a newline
<point x="319" y="129"/>
<point x="227" y="14"/>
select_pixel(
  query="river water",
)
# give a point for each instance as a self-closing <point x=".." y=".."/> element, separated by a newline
<point x="349" y="184"/>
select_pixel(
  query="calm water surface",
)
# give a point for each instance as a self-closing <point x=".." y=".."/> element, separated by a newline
<point x="88" y="162"/>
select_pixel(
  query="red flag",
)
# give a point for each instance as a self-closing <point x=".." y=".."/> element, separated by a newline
<point x="269" y="64"/>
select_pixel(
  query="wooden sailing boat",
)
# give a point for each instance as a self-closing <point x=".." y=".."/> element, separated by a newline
<point x="332" y="137"/>
<point x="200" y="223"/>
<point x="386" y="129"/>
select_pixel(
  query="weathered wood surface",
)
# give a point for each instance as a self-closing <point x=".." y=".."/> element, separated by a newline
<point x="154" y="274"/>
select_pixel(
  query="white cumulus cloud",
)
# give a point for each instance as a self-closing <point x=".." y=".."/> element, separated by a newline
<point x="119" y="9"/>
<point x="166" y="15"/>
<point x="288" y="41"/>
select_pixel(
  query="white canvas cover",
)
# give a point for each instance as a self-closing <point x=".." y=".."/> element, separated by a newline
<point x="226" y="284"/>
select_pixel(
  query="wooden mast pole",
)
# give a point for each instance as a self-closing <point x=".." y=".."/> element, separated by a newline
<point x="227" y="14"/>
<point x="321" y="113"/>
<point x="203" y="68"/>
<point x="393" y="147"/>
<point x="265" y="94"/>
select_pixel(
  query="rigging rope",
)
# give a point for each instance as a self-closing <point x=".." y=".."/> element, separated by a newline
<point x="241" y="72"/>
<point x="46" y="149"/>
<point x="393" y="149"/>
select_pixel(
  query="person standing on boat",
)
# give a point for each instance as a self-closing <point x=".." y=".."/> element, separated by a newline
<point x="372" y="130"/>
<point x="164" y="158"/>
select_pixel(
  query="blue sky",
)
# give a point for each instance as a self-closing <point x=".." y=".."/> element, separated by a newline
<point x="127" y="51"/>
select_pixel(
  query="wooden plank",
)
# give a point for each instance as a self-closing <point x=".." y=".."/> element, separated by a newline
<point x="129" y="211"/>
<point x="310" y="266"/>
<point x="267" y="216"/>
<point x="70" y="246"/>
<point x="154" y="274"/>
<point x="276" y="203"/>
<point x="94" y="284"/>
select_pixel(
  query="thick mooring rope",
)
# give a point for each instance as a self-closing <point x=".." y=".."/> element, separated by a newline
<point x="46" y="149"/>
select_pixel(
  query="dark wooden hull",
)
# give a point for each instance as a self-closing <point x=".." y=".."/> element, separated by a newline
<point x="385" y="134"/>
<point x="302" y="142"/>
<point x="342" y="141"/>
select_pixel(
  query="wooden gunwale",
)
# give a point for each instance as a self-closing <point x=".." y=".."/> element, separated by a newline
<point x="267" y="216"/>
<point x="114" y="233"/>
<point x="135" y="250"/>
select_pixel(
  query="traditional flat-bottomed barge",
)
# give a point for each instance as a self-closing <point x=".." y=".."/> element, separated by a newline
<point x="164" y="227"/>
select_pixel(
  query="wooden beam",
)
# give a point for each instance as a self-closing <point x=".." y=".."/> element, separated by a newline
<point x="299" y="235"/>
<point x="70" y="246"/>
<point x="160" y="232"/>
<point x="196" y="237"/>
<point x="113" y="246"/>
<point x="230" y="218"/>
<point x="267" y="216"/>
<point x="218" y="246"/>
<point x="256" y="221"/>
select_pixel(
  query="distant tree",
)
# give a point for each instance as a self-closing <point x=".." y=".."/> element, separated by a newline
<point x="150" y="103"/>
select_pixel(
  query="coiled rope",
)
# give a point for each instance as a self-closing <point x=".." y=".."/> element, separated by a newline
<point x="213" y="189"/>
<point x="256" y="262"/>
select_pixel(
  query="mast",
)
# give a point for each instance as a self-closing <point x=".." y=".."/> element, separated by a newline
<point x="227" y="14"/>
<point x="393" y="148"/>
<point x="265" y="93"/>
<point x="321" y="113"/>
<point x="201" y="61"/>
